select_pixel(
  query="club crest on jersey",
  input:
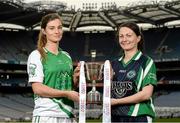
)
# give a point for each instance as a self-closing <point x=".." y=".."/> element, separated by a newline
<point x="131" y="74"/>
<point x="32" y="69"/>
<point x="120" y="88"/>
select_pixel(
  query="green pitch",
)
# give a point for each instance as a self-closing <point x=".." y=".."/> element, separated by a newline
<point x="161" y="120"/>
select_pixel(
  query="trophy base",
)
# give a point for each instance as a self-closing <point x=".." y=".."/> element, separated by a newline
<point x="100" y="84"/>
<point x="94" y="102"/>
<point x="94" y="105"/>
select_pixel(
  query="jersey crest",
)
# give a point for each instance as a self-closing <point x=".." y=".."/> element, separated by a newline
<point x="32" y="69"/>
<point x="131" y="74"/>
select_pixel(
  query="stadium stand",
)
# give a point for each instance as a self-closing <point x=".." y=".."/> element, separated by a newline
<point x="167" y="75"/>
<point x="15" y="46"/>
<point x="168" y="100"/>
<point x="160" y="46"/>
<point x="15" y="107"/>
<point x="161" y="43"/>
<point x="79" y="52"/>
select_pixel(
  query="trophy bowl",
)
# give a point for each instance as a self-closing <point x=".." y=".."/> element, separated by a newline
<point x="94" y="74"/>
<point x="93" y="71"/>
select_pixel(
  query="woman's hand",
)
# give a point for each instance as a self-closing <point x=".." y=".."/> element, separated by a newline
<point x="73" y="95"/>
<point x="76" y="75"/>
<point x="113" y="102"/>
<point x="111" y="72"/>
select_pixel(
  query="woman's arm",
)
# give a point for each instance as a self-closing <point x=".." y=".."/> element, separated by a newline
<point x="143" y="95"/>
<point x="45" y="91"/>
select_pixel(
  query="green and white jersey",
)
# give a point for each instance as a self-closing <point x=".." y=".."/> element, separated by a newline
<point x="56" y="72"/>
<point x="129" y="79"/>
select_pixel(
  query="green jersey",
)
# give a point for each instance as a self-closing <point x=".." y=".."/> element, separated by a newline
<point x="129" y="79"/>
<point x="54" y="71"/>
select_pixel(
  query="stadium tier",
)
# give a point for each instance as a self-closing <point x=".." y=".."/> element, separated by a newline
<point x="16" y="46"/>
<point x="89" y="35"/>
<point x="15" y="107"/>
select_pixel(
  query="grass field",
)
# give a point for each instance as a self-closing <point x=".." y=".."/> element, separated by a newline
<point x="169" y="120"/>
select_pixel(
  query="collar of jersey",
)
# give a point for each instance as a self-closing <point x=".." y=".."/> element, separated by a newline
<point x="135" y="57"/>
<point x="47" y="51"/>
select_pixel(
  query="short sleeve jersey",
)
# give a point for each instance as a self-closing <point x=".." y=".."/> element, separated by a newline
<point x="56" y="72"/>
<point x="129" y="79"/>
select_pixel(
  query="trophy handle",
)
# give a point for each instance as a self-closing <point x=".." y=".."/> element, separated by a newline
<point x="101" y="72"/>
<point x="86" y="66"/>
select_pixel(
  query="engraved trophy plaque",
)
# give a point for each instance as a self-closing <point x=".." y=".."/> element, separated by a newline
<point x="93" y="72"/>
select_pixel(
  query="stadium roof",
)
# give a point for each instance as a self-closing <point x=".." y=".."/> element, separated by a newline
<point x="28" y="15"/>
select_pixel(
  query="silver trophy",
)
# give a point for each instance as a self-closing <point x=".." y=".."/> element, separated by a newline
<point x="93" y="76"/>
